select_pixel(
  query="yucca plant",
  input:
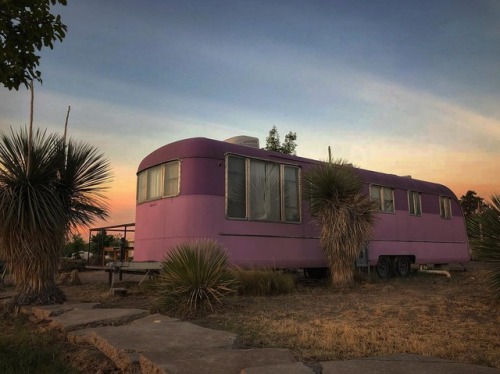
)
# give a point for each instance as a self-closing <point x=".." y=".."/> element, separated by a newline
<point x="485" y="240"/>
<point x="194" y="278"/>
<point x="343" y="213"/>
<point x="46" y="188"/>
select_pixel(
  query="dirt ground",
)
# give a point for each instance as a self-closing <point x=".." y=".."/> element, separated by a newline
<point x="454" y="318"/>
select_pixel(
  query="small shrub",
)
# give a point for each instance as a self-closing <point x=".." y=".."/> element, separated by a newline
<point x="264" y="282"/>
<point x="69" y="264"/>
<point x="23" y="351"/>
<point x="194" y="278"/>
<point x="484" y="232"/>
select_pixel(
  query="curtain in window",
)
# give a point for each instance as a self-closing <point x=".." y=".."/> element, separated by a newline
<point x="445" y="207"/>
<point x="171" y="185"/>
<point x="375" y="196"/>
<point x="291" y="192"/>
<point x="264" y="191"/>
<point x="141" y="186"/>
<point x="415" y="203"/>
<point x="418" y="203"/>
<point x="388" y="200"/>
<point x="154" y="183"/>
<point x="236" y="187"/>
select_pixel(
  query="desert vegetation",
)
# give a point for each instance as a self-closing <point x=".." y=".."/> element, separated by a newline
<point x="343" y="213"/>
<point x="194" y="278"/>
<point x="484" y="233"/>
<point x="452" y="318"/>
<point x="47" y="187"/>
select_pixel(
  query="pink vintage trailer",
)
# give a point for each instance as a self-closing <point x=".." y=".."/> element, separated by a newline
<point x="250" y="200"/>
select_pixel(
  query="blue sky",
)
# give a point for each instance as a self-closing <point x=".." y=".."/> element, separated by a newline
<point x="405" y="87"/>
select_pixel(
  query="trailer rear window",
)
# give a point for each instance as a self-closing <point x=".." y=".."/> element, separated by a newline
<point x="260" y="190"/>
<point x="414" y="203"/>
<point x="384" y="197"/>
<point x="158" y="182"/>
<point x="445" y="207"/>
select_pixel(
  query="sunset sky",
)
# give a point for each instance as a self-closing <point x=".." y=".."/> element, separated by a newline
<point x="403" y="87"/>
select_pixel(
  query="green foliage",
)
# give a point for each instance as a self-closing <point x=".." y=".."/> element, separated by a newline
<point x="47" y="188"/>
<point x="273" y="142"/>
<point x="26" y="26"/>
<point x="21" y="351"/>
<point x="264" y="282"/>
<point x="194" y="279"/>
<point x="472" y="204"/>
<point x="102" y="239"/>
<point x="76" y="244"/>
<point x="485" y="240"/>
<point x="343" y="213"/>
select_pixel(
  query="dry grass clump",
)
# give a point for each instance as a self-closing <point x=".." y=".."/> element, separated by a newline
<point x="422" y="315"/>
<point x="264" y="282"/>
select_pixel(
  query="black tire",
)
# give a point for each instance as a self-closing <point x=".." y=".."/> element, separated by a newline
<point x="384" y="267"/>
<point x="402" y="266"/>
<point x="316" y="273"/>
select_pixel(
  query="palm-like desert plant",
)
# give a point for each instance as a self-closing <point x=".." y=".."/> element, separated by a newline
<point x="45" y="188"/>
<point x="194" y="278"/>
<point x="343" y="213"/>
<point x="485" y="240"/>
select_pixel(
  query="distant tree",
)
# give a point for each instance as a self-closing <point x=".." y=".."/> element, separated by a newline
<point x="471" y="203"/>
<point x="76" y="244"/>
<point x="289" y="145"/>
<point x="103" y="239"/>
<point x="273" y="142"/>
<point x="485" y="240"/>
<point x="26" y="26"/>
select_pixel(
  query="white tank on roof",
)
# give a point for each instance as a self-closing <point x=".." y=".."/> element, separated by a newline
<point x="249" y="141"/>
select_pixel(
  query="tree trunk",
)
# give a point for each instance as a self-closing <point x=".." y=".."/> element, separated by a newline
<point x="34" y="267"/>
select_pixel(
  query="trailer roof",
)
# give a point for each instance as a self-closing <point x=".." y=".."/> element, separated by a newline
<point x="209" y="148"/>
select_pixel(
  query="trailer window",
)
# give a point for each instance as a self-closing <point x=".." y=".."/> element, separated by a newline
<point x="414" y="203"/>
<point x="291" y="193"/>
<point x="158" y="181"/>
<point x="236" y="187"/>
<point x="153" y="189"/>
<point x="445" y="207"/>
<point x="171" y="181"/>
<point x="262" y="191"/>
<point x="384" y="197"/>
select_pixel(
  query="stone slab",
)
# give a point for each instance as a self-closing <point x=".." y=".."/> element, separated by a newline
<point x="403" y="363"/>
<point x="154" y="333"/>
<point x="160" y="333"/>
<point x="212" y="361"/>
<point x="294" y="368"/>
<point x="81" y="318"/>
<point x="47" y="312"/>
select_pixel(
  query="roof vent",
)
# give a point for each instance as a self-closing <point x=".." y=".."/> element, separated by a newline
<point x="249" y="141"/>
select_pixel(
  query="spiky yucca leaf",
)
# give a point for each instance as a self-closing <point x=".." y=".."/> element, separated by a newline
<point x="39" y="202"/>
<point x="194" y="278"/>
<point x="83" y="182"/>
<point x="343" y="213"/>
<point x="485" y="240"/>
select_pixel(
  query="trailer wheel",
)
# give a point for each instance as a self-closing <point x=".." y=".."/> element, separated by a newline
<point x="316" y="273"/>
<point x="384" y="267"/>
<point x="402" y="266"/>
